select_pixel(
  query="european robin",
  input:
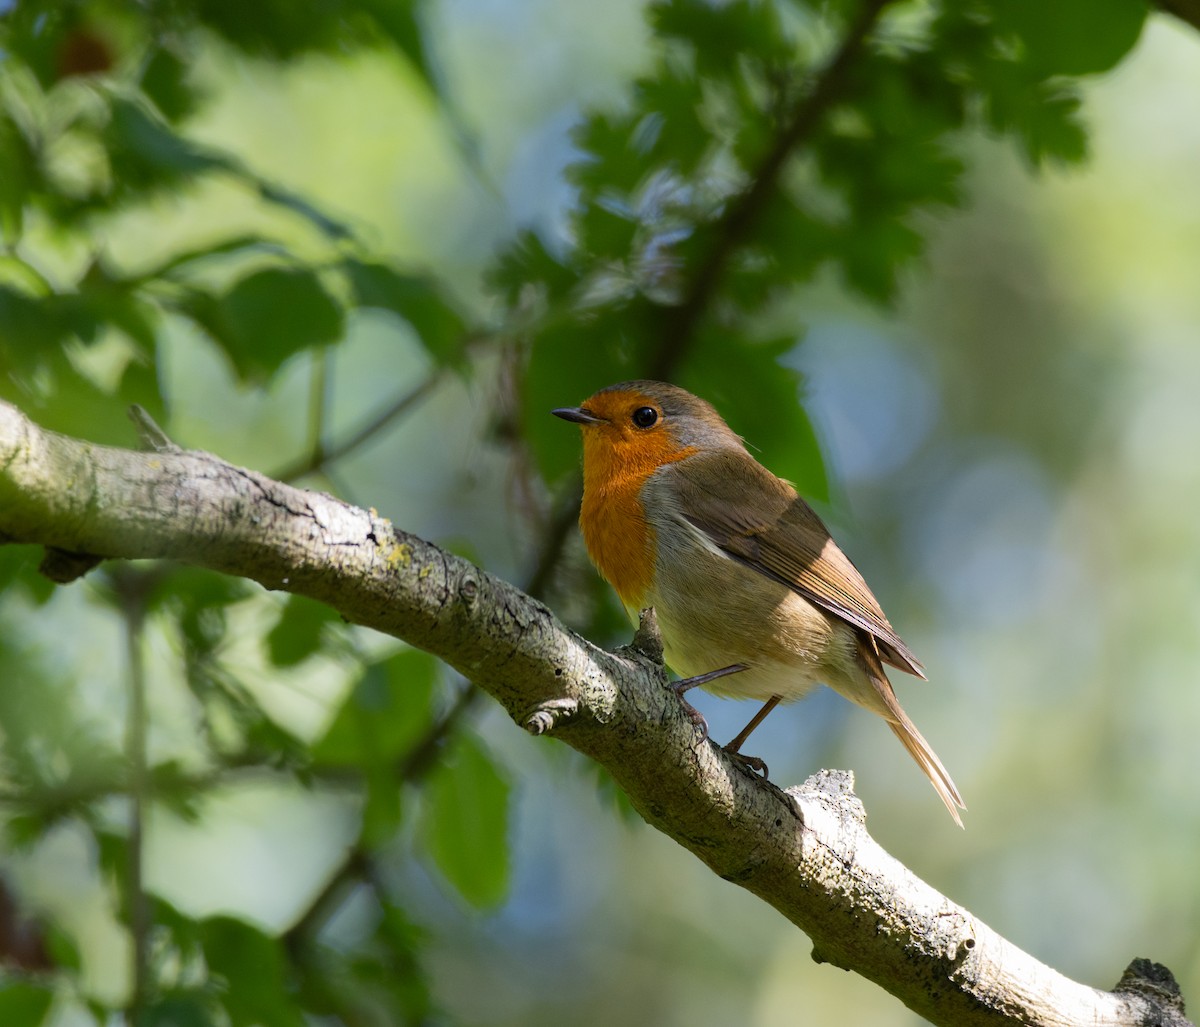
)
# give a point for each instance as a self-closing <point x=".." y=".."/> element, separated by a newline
<point x="754" y="598"/>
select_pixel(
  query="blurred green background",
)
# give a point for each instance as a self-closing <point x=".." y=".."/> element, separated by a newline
<point x="1007" y="447"/>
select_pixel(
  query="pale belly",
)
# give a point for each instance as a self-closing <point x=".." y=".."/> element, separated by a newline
<point x="722" y="612"/>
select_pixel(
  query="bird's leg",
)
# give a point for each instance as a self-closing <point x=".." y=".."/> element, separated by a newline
<point x="703" y="679"/>
<point x="757" y="719"/>
<point x="686" y="684"/>
<point x="755" y="763"/>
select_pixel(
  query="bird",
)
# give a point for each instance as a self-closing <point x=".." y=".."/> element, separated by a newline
<point x="753" y="597"/>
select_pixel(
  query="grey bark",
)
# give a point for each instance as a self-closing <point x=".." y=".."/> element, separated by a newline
<point x="803" y="850"/>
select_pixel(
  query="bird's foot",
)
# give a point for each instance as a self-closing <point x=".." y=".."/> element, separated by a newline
<point x="680" y="687"/>
<point x="755" y="764"/>
<point x="696" y="717"/>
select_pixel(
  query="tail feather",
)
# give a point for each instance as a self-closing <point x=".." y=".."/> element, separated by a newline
<point x="927" y="760"/>
<point x="884" y="702"/>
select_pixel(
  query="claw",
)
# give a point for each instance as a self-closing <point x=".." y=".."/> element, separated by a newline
<point x="696" y="717"/>
<point x="751" y="763"/>
<point x="754" y="764"/>
<point x="702" y="679"/>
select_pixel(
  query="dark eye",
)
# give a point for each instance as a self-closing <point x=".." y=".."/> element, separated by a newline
<point x="643" y="417"/>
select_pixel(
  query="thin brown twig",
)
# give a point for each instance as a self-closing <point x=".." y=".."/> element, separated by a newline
<point x="131" y="587"/>
<point x="320" y="454"/>
<point x="554" y="538"/>
<point x="318" y="402"/>
<point x="415" y="764"/>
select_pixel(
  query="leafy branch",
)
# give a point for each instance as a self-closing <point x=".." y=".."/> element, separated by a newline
<point x="736" y="223"/>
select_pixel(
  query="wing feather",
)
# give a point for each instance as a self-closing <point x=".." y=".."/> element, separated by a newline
<point x="781" y="538"/>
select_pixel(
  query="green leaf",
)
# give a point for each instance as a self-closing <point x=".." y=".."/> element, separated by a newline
<point x="417" y="299"/>
<point x="267" y="317"/>
<point x="297" y="633"/>
<point x="398" y="21"/>
<point x="384" y="715"/>
<point x="383" y="974"/>
<point x="1044" y="117"/>
<point x="759" y="399"/>
<point x="792" y="244"/>
<point x="60" y="398"/>
<point x="276" y="29"/>
<point x="1073" y="37"/>
<point x="29" y="326"/>
<point x="605" y="233"/>
<point x="18" y="566"/>
<point x="180" y="1009"/>
<point x="673" y="129"/>
<point x="253" y="969"/>
<point x="24" y="830"/>
<point x="407" y="984"/>
<point x="62" y="949"/>
<point x="103" y="299"/>
<point x="611" y="160"/>
<point x="719" y="32"/>
<point x="197" y="600"/>
<point x="1052" y="129"/>
<point x="283" y="30"/>
<point x="164" y="79"/>
<point x="19" y="177"/>
<point x="527" y="262"/>
<point x="464" y="826"/>
<point x="147" y="154"/>
<point x="874" y="252"/>
<point x="24" y="1005"/>
<point x="567" y="364"/>
<point x="384" y="809"/>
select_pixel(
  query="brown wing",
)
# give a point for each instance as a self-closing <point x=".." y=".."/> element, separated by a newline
<point x="782" y="538"/>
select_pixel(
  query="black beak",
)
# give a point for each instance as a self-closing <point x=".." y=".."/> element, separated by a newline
<point x="580" y="415"/>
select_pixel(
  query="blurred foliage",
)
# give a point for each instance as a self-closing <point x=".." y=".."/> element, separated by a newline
<point x="765" y="145"/>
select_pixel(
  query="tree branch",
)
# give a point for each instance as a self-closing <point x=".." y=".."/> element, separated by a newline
<point x="804" y="850"/>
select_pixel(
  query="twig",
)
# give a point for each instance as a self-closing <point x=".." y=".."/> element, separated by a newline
<point x="151" y="436"/>
<point x="318" y="405"/>
<point x="358" y="865"/>
<point x="554" y="539"/>
<point x="320" y="455"/>
<point x="131" y="588"/>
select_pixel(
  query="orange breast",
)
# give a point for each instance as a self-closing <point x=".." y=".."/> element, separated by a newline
<point x="618" y="538"/>
<point x="619" y="541"/>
